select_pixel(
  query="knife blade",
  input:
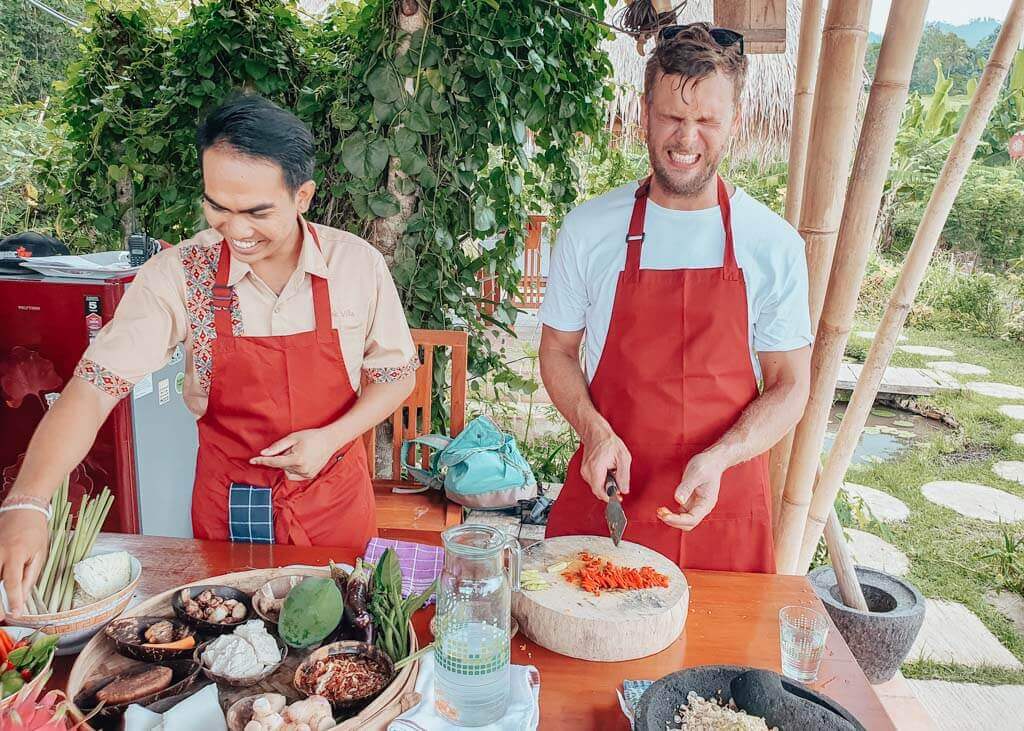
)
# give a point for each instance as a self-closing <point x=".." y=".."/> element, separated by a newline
<point x="613" y="512"/>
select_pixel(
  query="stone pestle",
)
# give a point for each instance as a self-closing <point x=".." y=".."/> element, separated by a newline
<point x="762" y="693"/>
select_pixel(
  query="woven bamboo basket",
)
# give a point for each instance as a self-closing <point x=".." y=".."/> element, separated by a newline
<point x="99" y="657"/>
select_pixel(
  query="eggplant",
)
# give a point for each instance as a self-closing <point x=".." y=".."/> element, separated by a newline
<point x="357" y="595"/>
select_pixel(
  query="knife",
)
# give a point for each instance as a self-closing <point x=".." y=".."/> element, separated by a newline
<point x="613" y="512"/>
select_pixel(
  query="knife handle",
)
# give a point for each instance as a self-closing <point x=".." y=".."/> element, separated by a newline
<point x="611" y="487"/>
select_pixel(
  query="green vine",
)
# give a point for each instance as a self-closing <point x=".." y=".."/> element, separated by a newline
<point x="425" y="143"/>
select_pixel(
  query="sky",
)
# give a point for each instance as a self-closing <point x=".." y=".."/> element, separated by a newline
<point x="957" y="12"/>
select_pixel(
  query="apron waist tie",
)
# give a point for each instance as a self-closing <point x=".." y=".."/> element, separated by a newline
<point x="285" y="515"/>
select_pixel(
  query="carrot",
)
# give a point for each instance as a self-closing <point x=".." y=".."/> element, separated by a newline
<point x="6" y="643"/>
<point x="597" y="574"/>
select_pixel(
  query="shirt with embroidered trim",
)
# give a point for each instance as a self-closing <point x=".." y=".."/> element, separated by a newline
<point x="169" y="303"/>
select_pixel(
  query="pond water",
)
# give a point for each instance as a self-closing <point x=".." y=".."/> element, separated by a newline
<point x="888" y="433"/>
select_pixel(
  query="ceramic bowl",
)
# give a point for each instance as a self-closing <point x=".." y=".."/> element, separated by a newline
<point x="213" y="628"/>
<point x="304" y="683"/>
<point x="128" y="636"/>
<point x="246" y="681"/>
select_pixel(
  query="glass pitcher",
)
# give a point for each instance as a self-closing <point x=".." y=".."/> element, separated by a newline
<point x="472" y="625"/>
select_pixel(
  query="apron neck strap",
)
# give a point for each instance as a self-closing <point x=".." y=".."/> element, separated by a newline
<point x="635" y="234"/>
<point x="730" y="269"/>
<point x="223" y="296"/>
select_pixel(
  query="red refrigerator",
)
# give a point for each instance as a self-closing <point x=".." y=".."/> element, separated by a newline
<point x="145" y="452"/>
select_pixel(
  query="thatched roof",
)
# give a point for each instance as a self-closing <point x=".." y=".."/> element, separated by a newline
<point x="767" y="100"/>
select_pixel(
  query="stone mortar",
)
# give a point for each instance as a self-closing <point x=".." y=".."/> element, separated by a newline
<point x="881" y="638"/>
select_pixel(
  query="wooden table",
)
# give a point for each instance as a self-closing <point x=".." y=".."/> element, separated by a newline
<point x="733" y="619"/>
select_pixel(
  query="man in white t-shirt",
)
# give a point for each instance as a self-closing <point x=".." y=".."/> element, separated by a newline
<point x="693" y="300"/>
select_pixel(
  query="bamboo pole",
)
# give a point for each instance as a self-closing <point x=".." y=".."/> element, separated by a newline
<point x="799" y="132"/>
<point x="914" y="268"/>
<point x="803" y="101"/>
<point x="833" y="121"/>
<point x="870" y="168"/>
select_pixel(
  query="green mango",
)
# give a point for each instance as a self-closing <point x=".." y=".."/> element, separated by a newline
<point x="311" y="611"/>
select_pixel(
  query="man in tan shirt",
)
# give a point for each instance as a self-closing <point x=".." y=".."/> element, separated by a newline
<point x="281" y="322"/>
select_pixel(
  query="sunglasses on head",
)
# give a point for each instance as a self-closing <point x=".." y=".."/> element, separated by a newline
<point x="722" y="36"/>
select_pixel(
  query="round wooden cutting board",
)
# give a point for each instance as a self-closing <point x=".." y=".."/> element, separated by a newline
<point x="615" y="626"/>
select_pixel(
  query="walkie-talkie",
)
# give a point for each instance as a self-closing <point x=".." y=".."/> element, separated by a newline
<point x="140" y="248"/>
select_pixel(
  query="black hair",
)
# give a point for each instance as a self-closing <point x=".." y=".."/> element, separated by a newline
<point x="258" y="128"/>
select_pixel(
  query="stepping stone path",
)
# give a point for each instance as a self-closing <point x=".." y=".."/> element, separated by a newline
<point x="975" y="501"/>
<point x="871" y="551"/>
<point x="1014" y="411"/>
<point x="1010" y="605"/>
<point x="1010" y="470"/>
<point x="969" y="706"/>
<point x="961" y="369"/>
<point x="883" y="506"/>
<point x="970" y="644"/>
<point x="1018" y="439"/>
<point x="995" y="390"/>
<point x="927" y="350"/>
<point x="870" y="335"/>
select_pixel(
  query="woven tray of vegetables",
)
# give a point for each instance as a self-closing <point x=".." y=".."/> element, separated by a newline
<point x="284" y="646"/>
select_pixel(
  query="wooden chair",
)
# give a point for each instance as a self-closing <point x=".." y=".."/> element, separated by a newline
<point x="533" y="283"/>
<point x="421" y="516"/>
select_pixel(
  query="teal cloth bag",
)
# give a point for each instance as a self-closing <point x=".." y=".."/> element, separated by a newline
<point x="480" y="468"/>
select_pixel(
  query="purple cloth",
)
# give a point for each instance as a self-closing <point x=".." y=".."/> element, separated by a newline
<point x="420" y="564"/>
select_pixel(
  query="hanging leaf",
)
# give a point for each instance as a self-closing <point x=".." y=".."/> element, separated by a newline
<point x="353" y="155"/>
<point x="483" y="217"/>
<point x="383" y="204"/>
<point x="384" y="84"/>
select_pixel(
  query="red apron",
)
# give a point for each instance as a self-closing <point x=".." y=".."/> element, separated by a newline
<point x="262" y="389"/>
<point x="674" y="376"/>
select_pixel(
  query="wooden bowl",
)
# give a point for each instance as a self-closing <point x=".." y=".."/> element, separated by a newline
<point x="128" y="636"/>
<point x="240" y="712"/>
<point x="249" y="679"/>
<point x="185" y="673"/>
<point x="274" y="589"/>
<point x="213" y="628"/>
<point x="304" y="684"/>
<point x="76" y="626"/>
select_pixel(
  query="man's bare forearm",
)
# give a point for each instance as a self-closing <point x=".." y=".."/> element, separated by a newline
<point x="567" y="386"/>
<point x="764" y="422"/>
<point x="376" y="402"/>
<point x="63" y="438"/>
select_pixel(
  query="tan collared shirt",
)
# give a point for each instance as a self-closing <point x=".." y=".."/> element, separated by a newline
<point x="169" y="303"/>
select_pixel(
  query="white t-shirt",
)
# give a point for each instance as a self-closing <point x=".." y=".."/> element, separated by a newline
<point x="590" y="251"/>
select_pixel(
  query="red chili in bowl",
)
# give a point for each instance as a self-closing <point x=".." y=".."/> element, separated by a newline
<point x="341" y="678"/>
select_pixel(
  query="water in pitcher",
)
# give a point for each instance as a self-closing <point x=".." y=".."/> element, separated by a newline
<point x="472" y="642"/>
<point x="471" y="682"/>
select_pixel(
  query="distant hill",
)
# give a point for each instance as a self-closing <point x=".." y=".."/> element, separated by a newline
<point x="974" y="32"/>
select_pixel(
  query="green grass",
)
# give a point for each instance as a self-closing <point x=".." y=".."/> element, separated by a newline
<point x="984" y="675"/>
<point x="943" y="546"/>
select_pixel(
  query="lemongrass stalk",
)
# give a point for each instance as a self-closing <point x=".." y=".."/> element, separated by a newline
<point x="65" y="586"/>
<point x="90" y="518"/>
<point x="57" y="542"/>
